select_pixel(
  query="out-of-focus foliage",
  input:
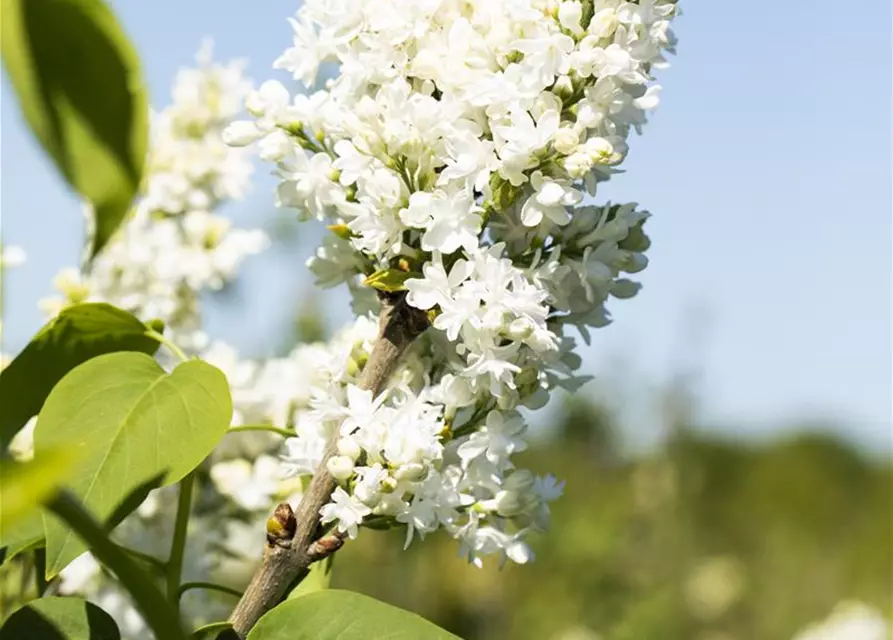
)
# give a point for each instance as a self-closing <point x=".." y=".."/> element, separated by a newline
<point x="703" y="539"/>
<point x="94" y="125"/>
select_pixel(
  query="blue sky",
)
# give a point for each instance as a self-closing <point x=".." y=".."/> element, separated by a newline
<point x="767" y="169"/>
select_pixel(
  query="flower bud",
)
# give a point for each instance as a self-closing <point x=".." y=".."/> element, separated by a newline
<point x="599" y="149"/>
<point x="636" y="240"/>
<point x="569" y="16"/>
<point x="598" y="272"/>
<point x="388" y="485"/>
<point x="520" y="552"/>
<point x="456" y="391"/>
<point x="281" y="525"/>
<point x="631" y="262"/>
<point x="240" y="133"/>
<point x="348" y="448"/>
<point x="520" y="329"/>
<point x="275" y="146"/>
<point x="566" y="140"/>
<point x="563" y="87"/>
<point x="624" y="288"/>
<point x="508" y="503"/>
<point x="341" y="467"/>
<point x="412" y="471"/>
<point x="578" y="164"/>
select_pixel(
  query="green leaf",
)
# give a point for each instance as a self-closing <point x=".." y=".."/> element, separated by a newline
<point x="334" y="614"/>
<point x="78" y="81"/>
<point x="133" y="500"/>
<point x="132" y="421"/>
<point x="21" y="536"/>
<point x="24" y="487"/>
<point x="60" y="619"/>
<point x="390" y="280"/>
<point x="77" y="334"/>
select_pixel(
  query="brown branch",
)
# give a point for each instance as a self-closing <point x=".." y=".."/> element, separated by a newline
<point x="286" y="562"/>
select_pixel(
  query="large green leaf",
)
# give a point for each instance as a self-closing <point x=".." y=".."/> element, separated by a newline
<point x="60" y="619"/>
<point x="78" y="81"/>
<point x="131" y="421"/>
<point x="77" y="334"/>
<point x="333" y="614"/>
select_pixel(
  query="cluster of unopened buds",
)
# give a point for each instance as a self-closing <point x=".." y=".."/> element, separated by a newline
<point x="450" y="157"/>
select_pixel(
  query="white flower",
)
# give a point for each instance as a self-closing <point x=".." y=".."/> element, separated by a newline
<point x="361" y="409"/>
<point x="497" y="440"/>
<point x="346" y="510"/>
<point x="437" y="287"/>
<point x="369" y="482"/>
<point x="546" y="54"/>
<point x="604" y="22"/>
<point x="271" y="103"/>
<point x="616" y="61"/>
<point x="351" y="162"/>
<point x="567" y="139"/>
<point x="450" y="221"/>
<point x="468" y="157"/>
<point x="307" y="183"/>
<point x="303" y="59"/>
<point x="303" y="454"/>
<point x="550" y="200"/>
<point x="548" y="488"/>
<point x="521" y="138"/>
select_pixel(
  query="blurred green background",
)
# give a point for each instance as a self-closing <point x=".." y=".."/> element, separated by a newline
<point x="702" y="538"/>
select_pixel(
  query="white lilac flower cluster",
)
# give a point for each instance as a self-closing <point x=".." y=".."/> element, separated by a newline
<point x="450" y="156"/>
<point x="173" y="246"/>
